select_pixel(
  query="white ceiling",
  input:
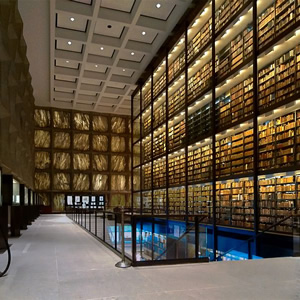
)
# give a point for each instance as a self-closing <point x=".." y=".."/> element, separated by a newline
<point x="96" y="71"/>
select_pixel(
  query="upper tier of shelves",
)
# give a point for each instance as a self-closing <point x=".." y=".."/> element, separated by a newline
<point x="277" y="24"/>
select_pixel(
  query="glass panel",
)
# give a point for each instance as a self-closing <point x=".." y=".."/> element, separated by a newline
<point x="110" y="229"/>
<point x="100" y="123"/>
<point x="100" y="182"/>
<point x="42" y="139"/>
<point x="41" y="118"/>
<point x="42" y="181"/>
<point x="118" y="163"/>
<point x="61" y="181"/>
<point x="61" y="161"/>
<point x="58" y="203"/>
<point x="16" y="193"/>
<point x="61" y="119"/>
<point x="81" y="161"/>
<point x="62" y="140"/>
<point x="99" y="224"/>
<point x="100" y="162"/>
<point x="42" y="160"/>
<point x="118" y="144"/>
<point x="100" y="143"/>
<point x="118" y="125"/>
<point x="81" y="141"/>
<point x="81" y="182"/>
<point x="81" y="121"/>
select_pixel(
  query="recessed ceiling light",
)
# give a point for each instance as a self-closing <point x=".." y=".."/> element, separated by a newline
<point x="72" y="19"/>
<point x="109" y="26"/>
<point x="124" y="70"/>
<point x="67" y="61"/>
<point x="96" y="66"/>
<point x="158" y="5"/>
<point x="69" y="43"/>
<point x="101" y="48"/>
<point x="132" y="53"/>
<point x="144" y="33"/>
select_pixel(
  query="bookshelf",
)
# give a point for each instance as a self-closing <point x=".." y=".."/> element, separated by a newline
<point x="199" y="122"/>
<point x="199" y="40"/>
<point x="212" y="138"/>
<point x="147" y="182"/>
<point x="235" y="105"/>
<point x="176" y="59"/>
<point x="159" y="144"/>
<point x="200" y="200"/>
<point x="147" y="201"/>
<point x="199" y="82"/>
<point x="278" y="196"/>
<point x="200" y="162"/>
<point x="177" y="132"/>
<point x="159" y="201"/>
<point x="234" y="154"/>
<point x="235" y="53"/>
<point x="159" y="173"/>
<point x="279" y="80"/>
<point x="177" y="101"/>
<point x="177" y="203"/>
<point x="234" y="202"/>
<point x="277" y="142"/>
<point x="176" y="168"/>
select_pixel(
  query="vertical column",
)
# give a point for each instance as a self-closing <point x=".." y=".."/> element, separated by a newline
<point x="255" y="125"/>
<point x="167" y="133"/>
<point x="213" y="111"/>
<point x="151" y="108"/>
<point x="141" y="151"/>
<point x="186" y="119"/>
<point x="132" y="155"/>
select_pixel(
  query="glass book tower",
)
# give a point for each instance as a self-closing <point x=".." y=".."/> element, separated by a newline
<point x="216" y="124"/>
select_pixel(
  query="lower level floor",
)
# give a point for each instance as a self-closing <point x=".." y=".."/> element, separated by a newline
<point x="56" y="259"/>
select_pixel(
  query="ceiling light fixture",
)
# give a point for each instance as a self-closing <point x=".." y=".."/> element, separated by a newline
<point x="124" y="70"/>
<point x="96" y="66"/>
<point x="144" y="33"/>
<point x="72" y="19"/>
<point x="109" y="26"/>
<point x="101" y="48"/>
<point x="132" y="53"/>
<point x="69" y="43"/>
<point x="67" y="61"/>
<point x="158" y="5"/>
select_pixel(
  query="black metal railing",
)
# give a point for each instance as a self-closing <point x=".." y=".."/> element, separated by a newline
<point x="296" y="237"/>
<point x="145" y="239"/>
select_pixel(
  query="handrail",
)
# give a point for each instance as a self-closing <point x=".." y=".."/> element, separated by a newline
<point x="180" y="238"/>
<point x="8" y="253"/>
<point x="258" y="234"/>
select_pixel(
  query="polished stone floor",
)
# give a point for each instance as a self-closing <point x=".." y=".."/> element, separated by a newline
<point x="56" y="259"/>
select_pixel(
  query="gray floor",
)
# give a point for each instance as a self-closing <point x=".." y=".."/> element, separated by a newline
<point x="56" y="259"/>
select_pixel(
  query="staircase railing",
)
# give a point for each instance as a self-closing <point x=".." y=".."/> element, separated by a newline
<point x="248" y="241"/>
<point x="187" y="231"/>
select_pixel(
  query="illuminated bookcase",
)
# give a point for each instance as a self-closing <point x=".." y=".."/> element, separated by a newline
<point x="225" y="113"/>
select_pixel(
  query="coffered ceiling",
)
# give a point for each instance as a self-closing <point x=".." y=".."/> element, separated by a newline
<point x="99" y="49"/>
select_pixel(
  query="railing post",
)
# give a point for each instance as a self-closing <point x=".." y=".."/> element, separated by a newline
<point x="123" y="263"/>
<point x="133" y="235"/>
<point x="196" y="237"/>
<point x="249" y="250"/>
